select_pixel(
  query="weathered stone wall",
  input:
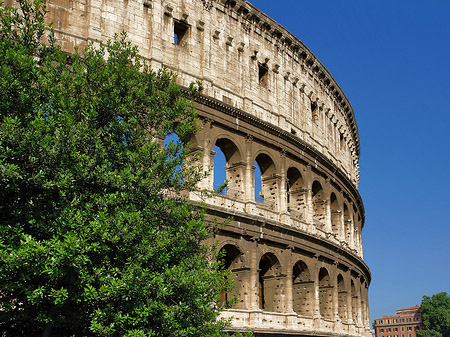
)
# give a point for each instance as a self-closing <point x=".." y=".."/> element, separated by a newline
<point x="296" y="254"/>
<point x="226" y="45"/>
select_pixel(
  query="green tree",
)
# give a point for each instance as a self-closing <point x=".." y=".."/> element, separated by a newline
<point x="435" y="315"/>
<point x="96" y="238"/>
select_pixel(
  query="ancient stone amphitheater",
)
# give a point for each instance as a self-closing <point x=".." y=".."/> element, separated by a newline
<point x="295" y="248"/>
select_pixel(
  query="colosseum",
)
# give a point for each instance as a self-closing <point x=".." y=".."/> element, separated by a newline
<point x="269" y="105"/>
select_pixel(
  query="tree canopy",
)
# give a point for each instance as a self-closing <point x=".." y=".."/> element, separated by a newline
<point x="96" y="238"/>
<point x="435" y="316"/>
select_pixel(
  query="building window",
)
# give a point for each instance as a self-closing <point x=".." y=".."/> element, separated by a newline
<point x="409" y="328"/>
<point x="395" y="329"/>
<point x="179" y="32"/>
<point x="381" y="330"/>
<point x="389" y="330"/>
<point x="263" y="74"/>
<point x="403" y="328"/>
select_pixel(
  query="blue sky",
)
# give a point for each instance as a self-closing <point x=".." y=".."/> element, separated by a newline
<point x="392" y="60"/>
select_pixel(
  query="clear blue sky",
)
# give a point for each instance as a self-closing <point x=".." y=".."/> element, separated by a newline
<point x="392" y="59"/>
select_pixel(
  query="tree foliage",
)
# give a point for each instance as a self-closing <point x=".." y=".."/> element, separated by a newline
<point x="95" y="236"/>
<point x="435" y="315"/>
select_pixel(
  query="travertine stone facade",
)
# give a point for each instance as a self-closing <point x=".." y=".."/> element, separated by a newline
<point x="296" y="252"/>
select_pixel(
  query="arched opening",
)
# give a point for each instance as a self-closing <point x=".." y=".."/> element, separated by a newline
<point x="335" y="214"/>
<point x="232" y="258"/>
<point x="355" y="300"/>
<point x="319" y="204"/>
<point x="325" y="294"/>
<point x="302" y="289"/>
<point x="270" y="286"/>
<point x="268" y="181"/>
<point x="347" y="224"/>
<point x="173" y="147"/>
<point x="228" y="166"/>
<point x="342" y="298"/>
<point x="295" y="193"/>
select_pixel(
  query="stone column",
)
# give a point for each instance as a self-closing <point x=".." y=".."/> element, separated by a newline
<point x="349" y="299"/>
<point x="335" y="294"/>
<point x="249" y="170"/>
<point x="359" y="304"/>
<point x="316" y="300"/>
<point x="282" y="195"/>
<point x="254" y="277"/>
<point x="288" y="304"/>
<point x="342" y="227"/>
<point x="208" y="154"/>
<point x="328" y="228"/>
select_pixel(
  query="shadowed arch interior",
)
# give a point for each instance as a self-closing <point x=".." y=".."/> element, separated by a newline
<point x="319" y="204"/>
<point x="325" y="294"/>
<point x="342" y="298"/>
<point x="232" y="259"/>
<point x="335" y="214"/>
<point x="302" y="289"/>
<point x="295" y="188"/>
<point x="270" y="286"/>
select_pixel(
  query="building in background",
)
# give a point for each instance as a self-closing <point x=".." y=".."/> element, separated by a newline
<point x="403" y="324"/>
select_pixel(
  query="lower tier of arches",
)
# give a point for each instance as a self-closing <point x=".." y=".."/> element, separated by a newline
<point x="290" y="284"/>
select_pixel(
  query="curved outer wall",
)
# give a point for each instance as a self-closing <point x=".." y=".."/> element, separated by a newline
<point x="295" y="252"/>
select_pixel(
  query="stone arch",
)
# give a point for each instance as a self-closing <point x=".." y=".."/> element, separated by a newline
<point x="233" y="259"/>
<point x="270" y="287"/>
<point x="342" y="298"/>
<point x="302" y="289"/>
<point x="296" y="197"/>
<point x="269" y="181"/>
<point x="325" y="294"/>
<point x="335" y="214"/>
<point x="234" y="168"/>
<point x="319" y="204"/>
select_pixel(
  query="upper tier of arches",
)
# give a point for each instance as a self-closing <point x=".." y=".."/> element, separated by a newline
<point x="265" y="180"/>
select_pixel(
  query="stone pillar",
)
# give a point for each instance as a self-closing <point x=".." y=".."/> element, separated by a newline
<point x="254" y="277"/>
<point x="328" y="228"/>
<point x="208" y="155"/>
<point x="288" y="304"/>
<point x="316" y="299"/>
<point x="342" y="228"/>
<point x="351" y="242"/>
<point x="249" y="170"/>
<point x="282" y="207"/>
<point x="349" y="299"/>
<point x="359" y="304"/>
<point x="335" y="295"/>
